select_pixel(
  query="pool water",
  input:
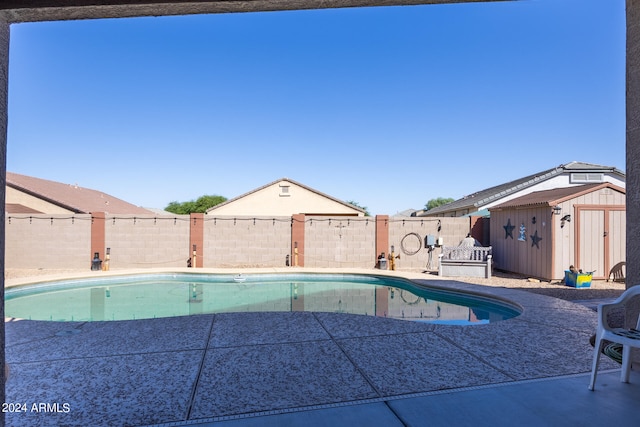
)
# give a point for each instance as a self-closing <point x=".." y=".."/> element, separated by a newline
<point x="167" y="295"/>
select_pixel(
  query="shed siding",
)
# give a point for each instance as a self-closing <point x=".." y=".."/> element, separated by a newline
<point x="565" y="237"/>
<point x="512" y="254"/>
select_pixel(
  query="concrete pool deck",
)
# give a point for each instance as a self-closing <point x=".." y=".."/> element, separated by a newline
<point x="288" y="368"/>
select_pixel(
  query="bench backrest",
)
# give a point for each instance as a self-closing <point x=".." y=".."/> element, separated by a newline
<point x="466" y="253"/>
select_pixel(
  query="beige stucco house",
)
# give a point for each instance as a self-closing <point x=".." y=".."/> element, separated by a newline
<point x="285" y="197"/>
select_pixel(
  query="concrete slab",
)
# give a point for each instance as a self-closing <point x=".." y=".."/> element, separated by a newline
<point x="362" y="415"/>
<point x="353" y="325"/>
<point x="524" y="350"/>
<point x="410" y="363"/>
<point x="245" y="379"/>
<point x="99" y="391"/>
<point x="558" y="401"/>
<point x="232" y="329"/>
<point x="92" y="339"/>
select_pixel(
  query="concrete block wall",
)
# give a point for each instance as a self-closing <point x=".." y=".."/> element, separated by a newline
<point x="147" y="241"/>
<point x="48" y="241"/>
<point x="404" y="233"/>
<point x="246" y="241"/>
<point x="68" y="242"/>
<point x="340" y="242"/>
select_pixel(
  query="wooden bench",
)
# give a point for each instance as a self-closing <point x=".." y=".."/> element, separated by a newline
<point x="465" y="261"/>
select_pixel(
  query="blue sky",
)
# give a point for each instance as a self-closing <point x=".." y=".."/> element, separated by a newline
<point x="386" y="106"/>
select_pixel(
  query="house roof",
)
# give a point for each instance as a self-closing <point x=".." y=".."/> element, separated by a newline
<point x="553" y="197"/>
<point x="406" y="213"/>
<point x="17" y="208"/>
<point x="72" y="197"/>
<point x="292" y="182"/>
<point x="483" y="197"/>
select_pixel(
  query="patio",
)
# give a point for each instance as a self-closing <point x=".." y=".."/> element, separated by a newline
<point x="274" y="368"/>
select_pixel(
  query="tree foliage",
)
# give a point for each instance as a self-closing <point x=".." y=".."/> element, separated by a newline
<point x="434" y="203"/>
<point x="201" y="205"/>
<point x="357" y="205"/>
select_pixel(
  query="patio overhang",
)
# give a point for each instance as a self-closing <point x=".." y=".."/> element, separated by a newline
<point x="16" y="11"/>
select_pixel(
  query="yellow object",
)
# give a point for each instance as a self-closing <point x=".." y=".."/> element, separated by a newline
<point x="392" y="260"/>
<point x="578" y="280"/>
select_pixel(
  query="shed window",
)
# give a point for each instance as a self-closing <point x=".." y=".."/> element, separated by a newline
<point x="284" y="191"/>
<point x="585" y="178"/>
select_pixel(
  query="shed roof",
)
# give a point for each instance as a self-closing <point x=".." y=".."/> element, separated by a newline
<point x="72" y="197"/>
<point x="555" y="196"/>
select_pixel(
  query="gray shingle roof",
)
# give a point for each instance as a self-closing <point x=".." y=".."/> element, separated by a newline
<point x="481" y="198"/>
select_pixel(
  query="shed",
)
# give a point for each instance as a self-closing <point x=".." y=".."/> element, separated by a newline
<point x="542" y="233"/>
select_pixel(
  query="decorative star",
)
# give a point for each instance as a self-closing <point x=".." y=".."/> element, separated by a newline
<point x="508" y="229"/>
<point x="535" y="239"/>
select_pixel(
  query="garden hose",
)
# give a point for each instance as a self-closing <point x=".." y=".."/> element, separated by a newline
<point x="412" y="252"/>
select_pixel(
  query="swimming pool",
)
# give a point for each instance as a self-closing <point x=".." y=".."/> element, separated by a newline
<point x="144" y="296"/>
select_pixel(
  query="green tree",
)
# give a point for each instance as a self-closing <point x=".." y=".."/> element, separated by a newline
<point x="434" y="203"/>
<point x="357" y="205"/>
<point x="201" y="205"/>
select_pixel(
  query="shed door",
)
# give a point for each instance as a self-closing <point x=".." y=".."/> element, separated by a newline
<point x="591" y="242"/>
<point x="601" y="239"/>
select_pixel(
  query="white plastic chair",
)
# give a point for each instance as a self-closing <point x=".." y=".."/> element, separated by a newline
<point x="627" y="337"/>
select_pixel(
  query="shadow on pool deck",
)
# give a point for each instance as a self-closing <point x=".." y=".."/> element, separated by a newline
<point x="257" y="368"/>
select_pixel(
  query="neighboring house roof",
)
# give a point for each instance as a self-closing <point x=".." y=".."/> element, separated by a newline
<point x="554" y="197"/>
<point x="488" y="197"/>
<point x="71" y="197"/>
<point x="159" y="211"/>
<point x="348" y="206"/>
<point x="17" y="208"/>
<point x="406" y="213"/>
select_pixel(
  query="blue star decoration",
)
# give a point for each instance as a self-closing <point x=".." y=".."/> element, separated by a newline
<point x="535" y="239"/>
<point x="508" y="229"/>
